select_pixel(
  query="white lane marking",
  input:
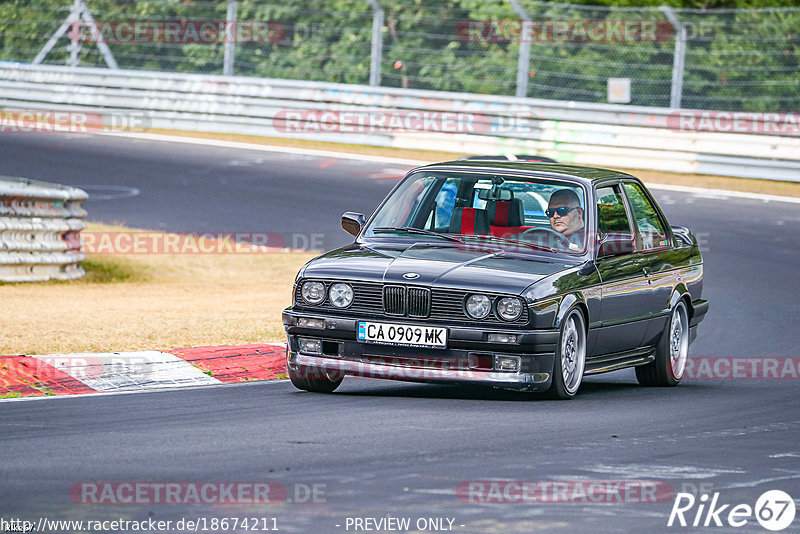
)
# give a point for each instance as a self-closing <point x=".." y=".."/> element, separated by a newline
<point x="435" y="491"/>
<point x="269" y="148"/>
<point x="416" y="163"/>
<point x="786" y="455"/>
<point x="722" y="194"/>
<point x="108" y="192"/>
<point x="242" y="162"/>
<point x="661" y="471"/>
<point x="129" y="370"/>
<point x="712" y="197"/>
<point x="754" y="483"/>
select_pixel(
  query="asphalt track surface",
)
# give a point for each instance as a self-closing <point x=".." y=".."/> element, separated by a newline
<point x="389" y="448"/>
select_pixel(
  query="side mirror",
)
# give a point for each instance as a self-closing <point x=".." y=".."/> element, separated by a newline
<point x="616" y="245"/>
<point x="353" y="222"/>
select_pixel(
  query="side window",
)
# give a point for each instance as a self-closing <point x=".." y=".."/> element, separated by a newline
<point x="445" y="203"/>
<point x="651" y="229"/>
<point x="611" y="215"/>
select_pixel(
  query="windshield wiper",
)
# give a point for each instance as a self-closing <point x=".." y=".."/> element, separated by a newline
<point x="412" y="230"/>
<point x="514" y="241"/>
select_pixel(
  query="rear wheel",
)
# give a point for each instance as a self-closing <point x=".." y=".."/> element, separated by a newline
<point x="314" y="380"/>
<point x="570" y="357"/>
<point x="671" y="353"/>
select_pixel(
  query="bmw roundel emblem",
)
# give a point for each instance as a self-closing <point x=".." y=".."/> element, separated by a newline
<point x="411" y="276"/>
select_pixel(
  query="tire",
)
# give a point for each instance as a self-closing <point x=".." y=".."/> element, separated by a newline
<point x="314" y="380"/>
<point x="671" y="352"/>
<point x="570" y="360"/>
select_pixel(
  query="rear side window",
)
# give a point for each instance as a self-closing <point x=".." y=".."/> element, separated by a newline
<point x="651" y="229"/>
<point x="611" y="215"/>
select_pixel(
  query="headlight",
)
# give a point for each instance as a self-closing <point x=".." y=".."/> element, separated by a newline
<point x="341" y="295"/>
<point x="478" y="306"/>
<point x="313" y="292"/>
<point x="509" y="308"/>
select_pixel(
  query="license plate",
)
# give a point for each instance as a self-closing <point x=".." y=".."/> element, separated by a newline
<point x="402" y="334"/>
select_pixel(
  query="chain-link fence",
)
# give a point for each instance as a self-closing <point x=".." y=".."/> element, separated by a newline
<point x="707" y="59"/>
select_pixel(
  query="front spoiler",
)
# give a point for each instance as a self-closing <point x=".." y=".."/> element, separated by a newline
<point x="333" y="366"/>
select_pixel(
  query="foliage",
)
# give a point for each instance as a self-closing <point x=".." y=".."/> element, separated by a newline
<point x="737" y="58"/>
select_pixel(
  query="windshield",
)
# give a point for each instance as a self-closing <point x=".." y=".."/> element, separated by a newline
<point x="508" y="211"/>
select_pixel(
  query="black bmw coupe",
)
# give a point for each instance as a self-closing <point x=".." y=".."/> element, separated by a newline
<point x="525" y="276"/>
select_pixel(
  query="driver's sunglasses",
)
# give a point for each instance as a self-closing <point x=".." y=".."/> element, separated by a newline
<point x="562" y="211"/>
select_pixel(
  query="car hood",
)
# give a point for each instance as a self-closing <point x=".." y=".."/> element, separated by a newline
<point x="453" y="266"/>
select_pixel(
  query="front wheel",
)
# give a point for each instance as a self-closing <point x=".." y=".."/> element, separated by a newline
<point x="671" y="353"/>
<point x="570" y="357"/>
<point x="314" y="380"/>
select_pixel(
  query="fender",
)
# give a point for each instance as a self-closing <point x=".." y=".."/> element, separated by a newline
<point x="678" y="292"/>
<point x="567" y="303"/>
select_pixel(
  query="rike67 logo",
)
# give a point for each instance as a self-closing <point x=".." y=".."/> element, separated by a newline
<point x="774" y="510"/>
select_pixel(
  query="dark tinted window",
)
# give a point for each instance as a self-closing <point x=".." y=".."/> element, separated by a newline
<point x="611" y="215"/>
<point x="651" y="230"/>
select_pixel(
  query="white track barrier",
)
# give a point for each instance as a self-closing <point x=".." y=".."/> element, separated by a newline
<point x="40" y="226"/>
<point x="570" y="132"/>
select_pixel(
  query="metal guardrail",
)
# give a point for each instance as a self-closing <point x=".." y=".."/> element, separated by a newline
<point x="736" y="59"/>
<point x="40" y="226"/>
<point x="571" y="132"/>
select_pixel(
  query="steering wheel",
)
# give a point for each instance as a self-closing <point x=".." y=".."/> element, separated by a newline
<point x="549" y="231"/>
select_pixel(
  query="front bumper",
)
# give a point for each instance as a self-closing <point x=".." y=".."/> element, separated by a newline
<point x="468" y="358"/>
<point x="699" y="310"/>
<point x="506" y="380"/>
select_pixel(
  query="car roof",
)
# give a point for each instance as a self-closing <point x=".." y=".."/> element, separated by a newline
<point x="578" y="173"/>
<point x="512" y="157"/>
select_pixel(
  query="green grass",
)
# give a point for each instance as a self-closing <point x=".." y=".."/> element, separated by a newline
<point x="109" y="270"/>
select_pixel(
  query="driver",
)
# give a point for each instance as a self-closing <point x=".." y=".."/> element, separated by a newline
<point x="566" y="216"/>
